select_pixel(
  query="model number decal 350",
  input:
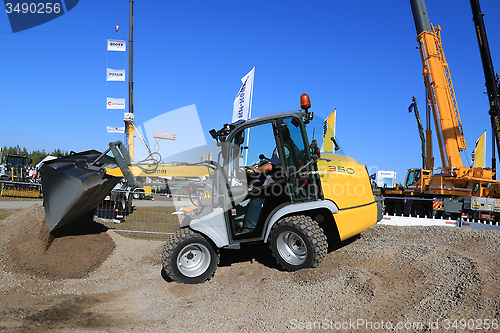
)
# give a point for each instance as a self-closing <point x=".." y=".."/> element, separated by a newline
<point x="340" y="169"/>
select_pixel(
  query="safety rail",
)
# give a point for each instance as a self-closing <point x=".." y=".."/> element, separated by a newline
<point x="460" y="223"/>
<point x="154" y="215"/>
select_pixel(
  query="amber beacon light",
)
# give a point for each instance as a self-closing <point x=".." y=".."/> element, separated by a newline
<point x="305" y="102"/>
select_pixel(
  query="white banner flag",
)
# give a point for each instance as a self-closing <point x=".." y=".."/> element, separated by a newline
<point x="112" y="129"/>
<point x="243" y="100"/>
<point x="116" y="45"/>
<point x="115" y="103"/>
<point x="115" y="74"/>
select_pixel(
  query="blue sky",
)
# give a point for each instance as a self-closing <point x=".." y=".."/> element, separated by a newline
<point x="357" y="56"/>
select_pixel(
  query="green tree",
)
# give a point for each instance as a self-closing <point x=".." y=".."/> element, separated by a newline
<point x="36" y="156"/>
<point x="58" y="152"/>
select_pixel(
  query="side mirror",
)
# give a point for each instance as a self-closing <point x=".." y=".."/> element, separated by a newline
<point x="314" y="149"/>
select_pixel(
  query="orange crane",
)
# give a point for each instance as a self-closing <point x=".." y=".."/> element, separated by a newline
<point x="457" y="189"/>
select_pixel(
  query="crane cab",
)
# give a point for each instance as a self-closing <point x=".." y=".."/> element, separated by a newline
<point x="417" y="181"/>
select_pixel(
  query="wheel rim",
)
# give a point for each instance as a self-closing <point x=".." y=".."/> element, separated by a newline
<point x="193" y="260"/>
<point x="291" y="248"/>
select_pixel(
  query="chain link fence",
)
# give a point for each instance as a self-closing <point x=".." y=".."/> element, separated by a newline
<point x="146" y="213"/>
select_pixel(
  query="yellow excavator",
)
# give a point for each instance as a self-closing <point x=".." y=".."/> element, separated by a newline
<point x="456" y="189"/>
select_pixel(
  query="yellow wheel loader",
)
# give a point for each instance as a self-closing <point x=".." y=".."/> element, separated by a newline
<point x="293" y="200"/>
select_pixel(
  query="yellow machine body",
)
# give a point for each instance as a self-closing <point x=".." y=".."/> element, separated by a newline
<point x="346" y="182"/>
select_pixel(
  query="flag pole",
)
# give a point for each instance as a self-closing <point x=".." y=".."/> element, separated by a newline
<point x="484" y="150"/>
<point x="250" y="115"/>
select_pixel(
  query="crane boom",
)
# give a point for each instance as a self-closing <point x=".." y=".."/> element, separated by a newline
<point x="489" y="74"/>
<point x="437" y="80"/>
<point x="420" y="16"/>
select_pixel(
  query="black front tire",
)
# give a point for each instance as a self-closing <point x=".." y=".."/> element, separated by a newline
<point x="298" y="242"/>
<point x="188" y="257"/>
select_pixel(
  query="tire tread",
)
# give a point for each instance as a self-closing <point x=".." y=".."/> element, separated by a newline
<point x="170" y="246"/>
<point x="311" y="230"/>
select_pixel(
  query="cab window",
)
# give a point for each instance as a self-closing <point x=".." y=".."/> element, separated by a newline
<point x="411" y="178"/>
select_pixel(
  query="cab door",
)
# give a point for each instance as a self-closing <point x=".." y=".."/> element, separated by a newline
<point x="252" y="193"/>
<point x="303" y="182"/>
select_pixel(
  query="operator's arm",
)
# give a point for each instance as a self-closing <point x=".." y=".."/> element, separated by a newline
<point x="263" y="168"/>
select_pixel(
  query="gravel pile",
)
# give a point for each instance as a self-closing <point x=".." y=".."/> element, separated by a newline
<point x="32" y="249"/>
<point x="420" y="278"/>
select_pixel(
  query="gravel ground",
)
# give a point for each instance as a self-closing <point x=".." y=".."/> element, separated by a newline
<point x="412" y="279"/>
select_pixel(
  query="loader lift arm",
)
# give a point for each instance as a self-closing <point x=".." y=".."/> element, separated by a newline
<point x="122" y="158"/>
<point x="74" y="186"/>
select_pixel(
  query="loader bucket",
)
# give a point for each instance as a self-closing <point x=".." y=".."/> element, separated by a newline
<point x="72" y="187"/>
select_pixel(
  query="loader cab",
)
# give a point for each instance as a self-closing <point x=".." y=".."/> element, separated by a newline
<point x="268" y="166"/>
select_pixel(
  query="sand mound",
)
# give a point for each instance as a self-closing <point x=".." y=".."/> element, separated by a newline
<point x="32" y="249"/>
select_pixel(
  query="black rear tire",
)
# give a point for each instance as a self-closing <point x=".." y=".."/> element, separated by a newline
<point x="397" y="209"/>
<point x="188" y="257"/>
<point x="298" y="242"/>
<point x="418" y="210"/>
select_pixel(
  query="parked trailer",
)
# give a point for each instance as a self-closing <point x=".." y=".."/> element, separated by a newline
<point x="428" y="222"/>
<point x="385" y="179"/>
